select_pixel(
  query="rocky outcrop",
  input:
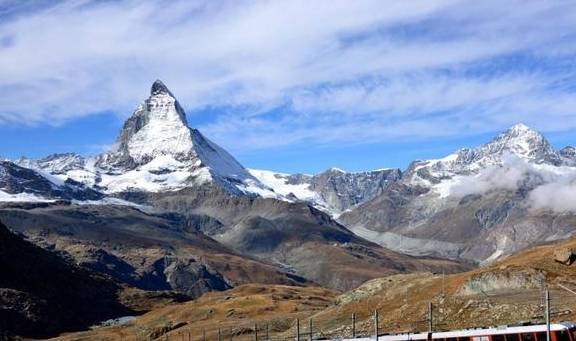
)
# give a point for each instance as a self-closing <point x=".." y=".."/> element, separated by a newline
<point x="503" y="280"/>
<point x="564" y="256"/>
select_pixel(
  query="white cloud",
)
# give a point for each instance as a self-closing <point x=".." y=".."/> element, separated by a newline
<point x="342" y="71"/>
<point x="509" y="176"/>
<point x="549" y="187"/>
<point x="558" y="196"/>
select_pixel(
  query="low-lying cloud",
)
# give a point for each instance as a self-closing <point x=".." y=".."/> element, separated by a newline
<point x="548" y="187"/>
<point x="559" y="195"/>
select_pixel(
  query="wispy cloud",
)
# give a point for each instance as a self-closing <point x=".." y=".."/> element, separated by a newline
<point x="289" y="72"/>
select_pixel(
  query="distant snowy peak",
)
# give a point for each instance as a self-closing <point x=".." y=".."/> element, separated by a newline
<point x="568" y="155"/>
<point x="54" y="163"/>
<point x="519" y="141"/>
<point x="523" y="142"/>
<point x="18" y="183"/>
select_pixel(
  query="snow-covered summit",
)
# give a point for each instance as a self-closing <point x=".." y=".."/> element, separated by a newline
<point x="519" y="141"/>
<point x="158" y="127"/>
<point x="155" y="151"/>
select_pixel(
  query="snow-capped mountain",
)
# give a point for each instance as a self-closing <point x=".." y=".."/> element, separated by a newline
<point x="477" y="203"/>
<point x="23" y="184"/>
<point x="519" y="141"/>
<point x="155" y="151"/>
<point x="333" y="190"/>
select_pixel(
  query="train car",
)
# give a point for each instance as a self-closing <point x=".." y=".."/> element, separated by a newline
<point x="563" y="331"/>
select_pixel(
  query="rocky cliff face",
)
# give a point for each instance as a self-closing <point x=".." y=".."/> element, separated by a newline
<point x="333" y="190"/>
<point x="341" y="190"/>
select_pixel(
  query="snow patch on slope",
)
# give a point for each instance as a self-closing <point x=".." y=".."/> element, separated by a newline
<point x="279" y="182"/>
<point x="22" y="197"/>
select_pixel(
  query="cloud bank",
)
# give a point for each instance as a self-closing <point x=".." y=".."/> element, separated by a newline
<point x="548" y="187"/>
<point x="263" y="74"/>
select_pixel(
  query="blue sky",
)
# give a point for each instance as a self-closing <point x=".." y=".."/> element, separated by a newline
<point x="293" y="86"/>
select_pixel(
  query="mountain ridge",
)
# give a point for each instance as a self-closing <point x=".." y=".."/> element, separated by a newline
<point x="477" y="188"/>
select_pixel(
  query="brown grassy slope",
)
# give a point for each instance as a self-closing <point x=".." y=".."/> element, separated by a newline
<point x="506" y="292"/>
<point x="239" y="308"/>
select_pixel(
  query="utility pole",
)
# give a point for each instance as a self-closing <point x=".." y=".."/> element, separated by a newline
<point x="547" y="315"/>
<point x="255" y="332"/>
<point x="267" y="332"/>
<point x="219" y="334"/>
<point x="443" y="284"/>
<point x="376" y="324"/>
<point x="297" y="329"/>
<point x="353" y="325"/>
<point x="310" y="329"/>
<point x="429" y="317"/>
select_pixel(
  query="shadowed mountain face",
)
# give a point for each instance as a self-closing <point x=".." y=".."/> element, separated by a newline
<point x="146" y="251"/>
<point x="42" y="294"/>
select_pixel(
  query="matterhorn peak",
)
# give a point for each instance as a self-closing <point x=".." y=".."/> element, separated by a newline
<point x="158" y="127"/>
<point x="157" y="149"/>
<point x="158" y="87"/>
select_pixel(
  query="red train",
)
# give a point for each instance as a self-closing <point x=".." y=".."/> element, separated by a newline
<point x="562" y="331"/>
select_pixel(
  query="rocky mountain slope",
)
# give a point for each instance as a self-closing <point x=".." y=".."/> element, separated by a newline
<point x="333" y="190"/>
<point x="506" y="292"/>
<point x="477" y="204"/>
<point x="145" y="251"/>
<point x="42" y="294"/>
<point x="232" y="312"/>
<point x="295" y="237"/>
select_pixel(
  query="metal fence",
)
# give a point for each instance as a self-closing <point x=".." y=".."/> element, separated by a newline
<point x="444" y="312"/>
<point x="431" y="316"/>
